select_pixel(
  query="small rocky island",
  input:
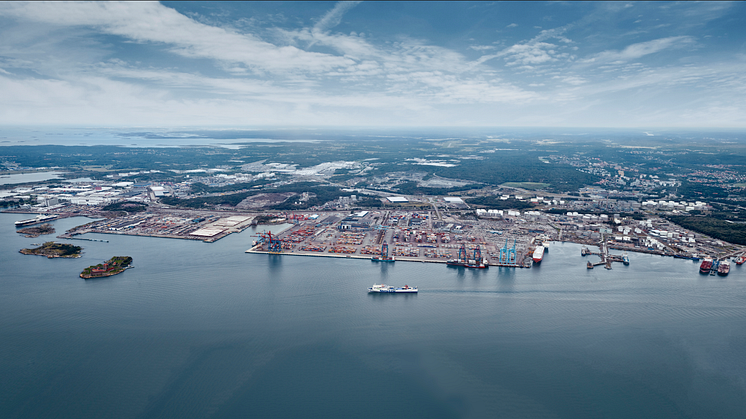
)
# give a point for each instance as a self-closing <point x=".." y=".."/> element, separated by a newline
<point x="113" y="266"/>
<point x="55" y="250"/>
<point x="37" y="231"/>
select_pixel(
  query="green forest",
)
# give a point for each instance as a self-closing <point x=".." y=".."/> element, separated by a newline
<point x="730" y="231"/>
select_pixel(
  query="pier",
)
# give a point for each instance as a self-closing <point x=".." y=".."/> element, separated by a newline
<point x="606" y="257"/>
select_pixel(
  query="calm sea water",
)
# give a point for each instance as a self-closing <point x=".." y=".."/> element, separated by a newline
<point x="204" y="330"/>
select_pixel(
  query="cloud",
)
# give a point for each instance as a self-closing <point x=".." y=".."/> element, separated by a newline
<point x="572" y="80"/>
<point x="334" y="16"/>
<point x="482" y="47"/>
<point x="642" y="49"/>
<point x="534" y="51"/>
<point x="512" y="25"/>
<point x="155" y="23"/>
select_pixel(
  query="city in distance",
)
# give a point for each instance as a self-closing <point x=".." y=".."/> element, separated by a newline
<point x="372" y="209"/>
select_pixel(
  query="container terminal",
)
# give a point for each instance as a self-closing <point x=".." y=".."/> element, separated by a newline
<point x="511" y="239"/>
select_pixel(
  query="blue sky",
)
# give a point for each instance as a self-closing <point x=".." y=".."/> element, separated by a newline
<point x="557" y="64"/>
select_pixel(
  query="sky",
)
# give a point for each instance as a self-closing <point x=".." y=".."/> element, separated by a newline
<point x="374" y="64"/>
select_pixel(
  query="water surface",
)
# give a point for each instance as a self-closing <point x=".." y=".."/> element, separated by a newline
<point x="206" y="330"/>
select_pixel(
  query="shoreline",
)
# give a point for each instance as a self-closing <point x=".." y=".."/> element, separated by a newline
<point x="105" y="275"/>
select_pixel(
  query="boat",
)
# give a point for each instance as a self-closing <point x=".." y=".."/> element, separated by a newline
<point x="538" y="254"/>
<point x="740" y="260"/>
<point x="471" y="263"/>
<point x="384" y="255"/>
<point x="625" y="259"/>
<point x="38" y="219"/>
<point x="383" y="288"/>
<point x="477" y="262"/>
<point x="723" y="268"/>
<point x="706" y="265"/>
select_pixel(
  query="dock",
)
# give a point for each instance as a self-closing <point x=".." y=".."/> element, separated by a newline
<point x="606" y="257"/>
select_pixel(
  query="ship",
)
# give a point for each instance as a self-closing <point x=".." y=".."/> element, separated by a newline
<point x="383" y="288"/>
<point x="39" y="219"/>
<point x="538" y="254"/>
<point x="723" y="268"/>
<point x="625" y="259"/>
<point x="706" y="265"/>
<point x="740" y="260"/>
<point x="463" y="262"/>
<point x="471" y="263"/>
<point x="384" y="255"/>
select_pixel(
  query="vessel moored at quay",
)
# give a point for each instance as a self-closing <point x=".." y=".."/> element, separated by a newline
<point x="538" y="254"/>
<point x="705" y="266"/>
<point x="723" y="268"/>
<point x="476" y="262"/>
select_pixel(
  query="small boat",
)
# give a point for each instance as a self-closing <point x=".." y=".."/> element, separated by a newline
<point x="383" y="288"/>
<point x="740" y="260"/>
<point x="625" y="259"/>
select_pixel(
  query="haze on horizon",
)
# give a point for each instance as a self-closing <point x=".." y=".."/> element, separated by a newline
<point x="550" y="64"/>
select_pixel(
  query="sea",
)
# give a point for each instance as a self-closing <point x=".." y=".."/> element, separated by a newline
<point x="200" y="330"/>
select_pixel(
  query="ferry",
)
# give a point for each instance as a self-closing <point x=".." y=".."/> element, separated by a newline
<point x="389" y="289"/>
<point x="39" y="219"/>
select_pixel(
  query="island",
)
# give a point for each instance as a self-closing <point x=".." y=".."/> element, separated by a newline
<point x="37" y="231"/>
<point x="55" y="250"/>
<point x="113" y="266"/>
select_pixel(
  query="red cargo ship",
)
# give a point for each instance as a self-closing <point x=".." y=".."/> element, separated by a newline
<point x="706" y="265"/>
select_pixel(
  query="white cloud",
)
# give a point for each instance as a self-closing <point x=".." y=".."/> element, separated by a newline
<point x="155" y="23"/>
<point x="334" y="16"/>
<point x="639" y="50"/>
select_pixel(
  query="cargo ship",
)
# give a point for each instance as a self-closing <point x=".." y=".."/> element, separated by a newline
<point x="706" y="265"/>
<point x="471" y="263"/>
<point x="39" y="219"/>
<point x="723" y="268"/>
<point x="538" y="254"/>
<point x="384" y="255"/>
<point x="383" y="288"/>
<point x="477" y="262"/>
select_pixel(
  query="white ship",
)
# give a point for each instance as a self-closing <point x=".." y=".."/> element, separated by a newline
<point x="39" y="219"/>
<point x="538" y="254"/>
<point x="387" y="288"/>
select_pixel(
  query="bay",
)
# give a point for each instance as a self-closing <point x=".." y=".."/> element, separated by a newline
<point x="206" y="330"/>
<point x="12" y="179"/>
